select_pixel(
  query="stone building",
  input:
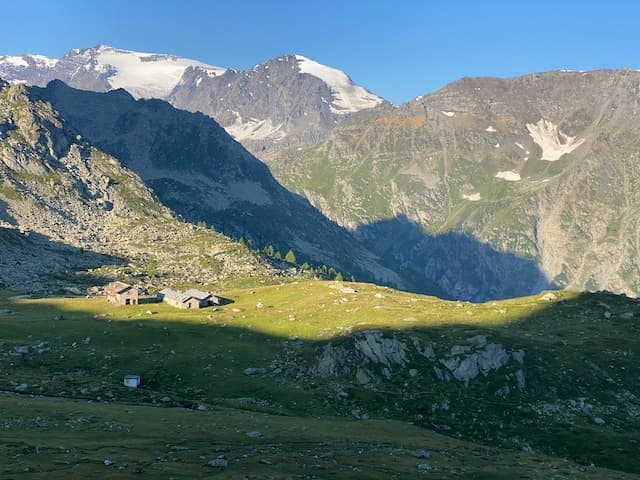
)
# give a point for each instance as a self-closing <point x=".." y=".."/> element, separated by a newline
<point x="121" y="294"/>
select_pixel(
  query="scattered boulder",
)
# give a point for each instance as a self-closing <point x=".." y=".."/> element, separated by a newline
<point x="58" y="317"/>
<point x="626" y="315"/>
<point x="108" y="462"/>
<point x="22" y="387"/>
<point x="22" y="350"/>
<point x="254" y="371"/>
<point x="357" y="413"/>
<point x="421" y="453"/>
<point x="348" y="290"/>
<point x="6" y="311"/>
<point x="413" y="372"/>
<point x="255" y="434"/>
<point x="364" y="376"/>
<point x="599" y="420"/>
<point x="423" y="467"/>
<point x="219" y="463"/>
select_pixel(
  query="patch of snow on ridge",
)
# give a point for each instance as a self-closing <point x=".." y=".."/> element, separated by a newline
<point x="552" y="141"/>
<point x="347" y="96"/>
<point x="490" y="129"/>
<point x="254" y="129"/>
<point x="46" y="61"/>
<point x="14" y="61"/>
<point x="474" y="197"/>
<point x="448" y="114"/>
<point x="145" y="75"/>
<point x="509" y="176"/>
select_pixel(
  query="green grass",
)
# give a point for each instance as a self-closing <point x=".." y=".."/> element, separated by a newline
<point x="197" y="358"/>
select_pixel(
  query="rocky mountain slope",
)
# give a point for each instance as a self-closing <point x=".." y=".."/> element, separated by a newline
<point x="66" y="206"/>
<point x="198" y="170"/>
<point x="490" y="184"/>
<point x="103" y="68"/>
<point x="287" y="101"/>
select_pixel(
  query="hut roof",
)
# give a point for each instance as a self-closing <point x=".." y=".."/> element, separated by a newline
<point x="115" y="288"/>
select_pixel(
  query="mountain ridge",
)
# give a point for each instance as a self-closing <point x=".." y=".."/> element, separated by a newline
<point x="541" y="165"/>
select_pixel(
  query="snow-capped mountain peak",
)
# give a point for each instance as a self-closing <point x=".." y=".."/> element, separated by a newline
<point x="144" y="75"/>
<point x="25" y="61"/>
<point x="347" y="96"/>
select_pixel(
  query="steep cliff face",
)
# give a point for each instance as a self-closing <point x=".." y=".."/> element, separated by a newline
<point x="66" y="206"/>
<point x="544" y="167"/>
<point x="288" y="101"/>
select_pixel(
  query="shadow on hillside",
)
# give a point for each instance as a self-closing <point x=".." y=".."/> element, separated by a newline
<point x="32" y="262"/>
<point x="198" y="170"/>
<point x="461" y="266"/>
<point x="193" y="362"/>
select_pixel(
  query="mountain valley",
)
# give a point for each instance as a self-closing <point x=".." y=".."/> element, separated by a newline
<point x="445" y="288"/>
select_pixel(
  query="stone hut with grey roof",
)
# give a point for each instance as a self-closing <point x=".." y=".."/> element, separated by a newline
<point x="189" y="299"/>
<point x="121" y="294"/>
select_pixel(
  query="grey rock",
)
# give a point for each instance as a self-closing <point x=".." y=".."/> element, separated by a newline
<point x="422" y="453"/>
<point x="22" y="350"/>
<point x="626" y="316"/>
<point x="22" y="387"/>
<point x="378" y="349"/>
<point x="254" y="371"/>
<point x="518" y="356"/>
<point x="363" y="376"/>
<point x="218" y="463"/>
<point x="255" y="434"/>
<point x="478" y="341"/>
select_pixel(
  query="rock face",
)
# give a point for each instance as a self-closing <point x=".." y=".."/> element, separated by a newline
<point x="371" y="357"/>
<point x="491" y="187"/>
<point x="288" y="101"/>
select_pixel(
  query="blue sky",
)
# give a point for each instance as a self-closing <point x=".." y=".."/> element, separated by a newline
<point x="397" y="49"/>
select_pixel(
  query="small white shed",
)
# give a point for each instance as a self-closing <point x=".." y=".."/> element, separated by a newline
<point x="132" y="381"/>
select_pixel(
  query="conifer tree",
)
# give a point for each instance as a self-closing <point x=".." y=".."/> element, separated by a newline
<point x="290" y="257"/>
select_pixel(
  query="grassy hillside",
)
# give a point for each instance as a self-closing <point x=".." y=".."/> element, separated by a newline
<point x="322" y="369"/>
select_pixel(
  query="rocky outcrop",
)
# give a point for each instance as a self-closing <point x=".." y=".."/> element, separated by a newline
<point x="371" y="357"/>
